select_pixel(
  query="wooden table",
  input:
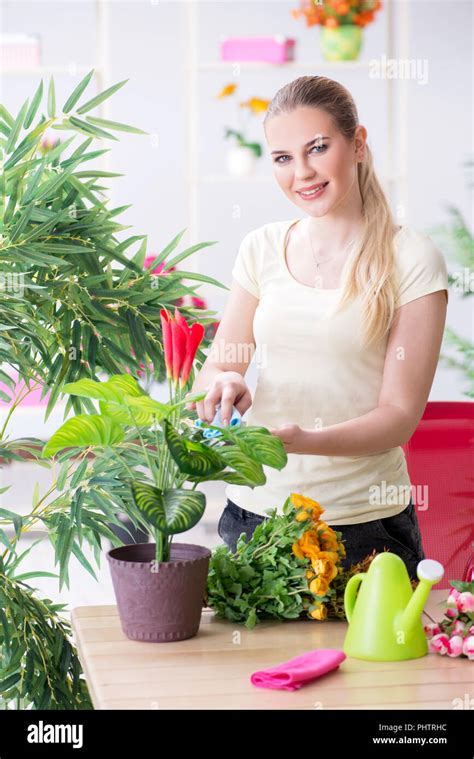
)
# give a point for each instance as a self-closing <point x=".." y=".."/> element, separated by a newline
<point x="212" y="670"/>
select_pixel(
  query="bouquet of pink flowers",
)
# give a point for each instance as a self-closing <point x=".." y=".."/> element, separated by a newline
<point x="454" y="635"/>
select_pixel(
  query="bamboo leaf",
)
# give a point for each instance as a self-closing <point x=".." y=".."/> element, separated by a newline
<point x="15" y="130"/>
<point x="83" y="126"/>
<point x="98" y="99"/>
<point x="114" y="125"/>
<point x="51" y="98"/>
<point x="34" y="106"/>
<point x="77" y="92"/>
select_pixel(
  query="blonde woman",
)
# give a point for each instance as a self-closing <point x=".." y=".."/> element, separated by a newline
<point x="347" y="311"/>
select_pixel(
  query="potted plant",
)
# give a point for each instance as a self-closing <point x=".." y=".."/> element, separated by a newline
<point x="160" y="586"/>
<point x="242" y="155"/>
<point x="341" y="24"/>
<point x="77" y="302"/>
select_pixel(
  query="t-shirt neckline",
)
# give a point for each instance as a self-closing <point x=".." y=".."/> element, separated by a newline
<point x="289" y="275"/>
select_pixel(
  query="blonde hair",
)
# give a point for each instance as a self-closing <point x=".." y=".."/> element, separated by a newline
<point x="372" y="273"/>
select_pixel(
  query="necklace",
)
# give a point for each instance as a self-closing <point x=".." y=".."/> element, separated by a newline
<point x="318" y="279"/>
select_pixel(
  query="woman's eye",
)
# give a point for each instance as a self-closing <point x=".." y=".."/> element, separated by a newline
<point x="321" y="149"/>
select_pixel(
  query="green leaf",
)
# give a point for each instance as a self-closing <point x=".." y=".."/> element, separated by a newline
<point x="51" y="99"/>
<point x="115" y="125"/>
<point x="114" y="389"/>
<point x="83" y="126"/>
<point x="192" y="457"/>
<point x="82" y="431"/>
<point x="171" y="511"/>
<point x="14" y="517"/>
<point x="34" y="106"/>
<point x="6" y="116"/>
<point x="98" y="99"/>
<point x="262" y="446"/>
<point x="77" y="92"/>
<point x="15" y="130"/>
<point x="250" y="469"/>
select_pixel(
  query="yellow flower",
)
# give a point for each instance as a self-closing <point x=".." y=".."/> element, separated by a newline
<point x="256" y="105"/>
<point x="297" y="551"/>
<point x="319" y="613"/>
<point x="228" y="89"/>
<point x="319" y="586"/>
<point x="326" y="569"/>
<point x="301" y="501"/>
<point x="332" y="556"/>
<point x="309" y="575"/>
<point x="302" y="516"/>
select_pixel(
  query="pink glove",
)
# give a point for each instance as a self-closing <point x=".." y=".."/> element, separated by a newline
<point x="294" y="673"/>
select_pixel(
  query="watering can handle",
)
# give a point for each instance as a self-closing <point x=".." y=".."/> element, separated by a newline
<point x="350" y="594"/>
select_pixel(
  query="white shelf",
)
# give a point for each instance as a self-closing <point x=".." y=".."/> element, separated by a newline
<point x="69" y="70"/>
<point x="286" y="66"/>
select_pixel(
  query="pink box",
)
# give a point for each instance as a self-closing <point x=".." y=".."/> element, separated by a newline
<point x="267" y="49"/>
<point x="19" y="51"/>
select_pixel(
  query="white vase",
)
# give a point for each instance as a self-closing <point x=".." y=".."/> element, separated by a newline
<point x="240" y="161"/>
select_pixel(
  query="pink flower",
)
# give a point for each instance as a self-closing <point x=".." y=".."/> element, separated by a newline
<point x="160" y="269"/>
<point x="453" y="596"/>
<point x="439" y="644"/>
<point x="471" y="630"/>
<point x="465" y="602"/>
<point x="468" y="647"/>
<point x="455" y="645"/>
<point x="431" y="630"/>
<point x="198" y="302"/>
<point x="451" y="613"/>
<point x="459" y="628"/>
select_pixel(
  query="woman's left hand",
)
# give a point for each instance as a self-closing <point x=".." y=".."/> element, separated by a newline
<point x="292" y="436"/>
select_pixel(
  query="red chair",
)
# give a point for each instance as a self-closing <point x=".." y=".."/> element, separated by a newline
<point x="440" y="456"/>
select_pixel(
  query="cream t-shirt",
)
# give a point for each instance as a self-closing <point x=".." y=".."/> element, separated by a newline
<point x="314" y="371"/>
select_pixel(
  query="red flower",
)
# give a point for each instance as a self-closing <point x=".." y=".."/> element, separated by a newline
<point x="180" y="344"/>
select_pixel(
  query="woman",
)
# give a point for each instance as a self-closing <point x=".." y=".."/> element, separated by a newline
<point x="348" y="311"/>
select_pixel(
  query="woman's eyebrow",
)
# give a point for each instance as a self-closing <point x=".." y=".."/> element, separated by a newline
<point x="308" y="144"/>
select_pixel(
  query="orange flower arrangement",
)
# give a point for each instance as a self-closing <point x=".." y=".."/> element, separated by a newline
<point x="320" y="545"/>
<point x="334" y="13"/>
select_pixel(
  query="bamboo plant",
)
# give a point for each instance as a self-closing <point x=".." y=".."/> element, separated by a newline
<point x="76" y="303"/>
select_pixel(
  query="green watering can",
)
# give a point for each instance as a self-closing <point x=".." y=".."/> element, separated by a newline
<point x="385" y="618"/>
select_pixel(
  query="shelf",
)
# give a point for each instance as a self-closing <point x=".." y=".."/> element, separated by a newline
<point x="71" y="70"/>
<point x="287" y="66"/>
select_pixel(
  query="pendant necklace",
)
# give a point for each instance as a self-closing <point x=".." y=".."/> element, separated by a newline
<point x="318" y="279"/>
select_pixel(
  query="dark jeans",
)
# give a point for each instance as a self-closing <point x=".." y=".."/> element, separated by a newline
<point x="400" y="534"/>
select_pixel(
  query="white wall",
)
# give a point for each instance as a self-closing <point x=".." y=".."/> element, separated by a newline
<point x="147" y="44"/>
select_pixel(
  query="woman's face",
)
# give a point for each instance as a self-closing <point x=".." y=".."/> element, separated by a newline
<point x="307" y="151"/>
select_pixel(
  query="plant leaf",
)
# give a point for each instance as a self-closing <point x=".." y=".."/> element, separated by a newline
<point x="171" y="511"/>
<point x="77" y="92"/>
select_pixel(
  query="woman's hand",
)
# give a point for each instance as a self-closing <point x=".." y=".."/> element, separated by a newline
<point x="229" y="389"/>
<point x="294" y="438"/>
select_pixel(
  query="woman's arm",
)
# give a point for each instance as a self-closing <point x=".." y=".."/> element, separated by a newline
<point x="413" y="348"/>
<point x="231" y="352"/>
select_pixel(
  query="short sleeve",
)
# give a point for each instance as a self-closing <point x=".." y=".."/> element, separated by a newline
<point x="421" y="268"/>
<point x="245" y="265"/>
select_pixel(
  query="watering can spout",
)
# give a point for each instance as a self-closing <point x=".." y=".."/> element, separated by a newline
<point x="429" y="573"/>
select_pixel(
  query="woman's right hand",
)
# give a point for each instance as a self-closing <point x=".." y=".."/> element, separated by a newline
<point x="229" y="389"/>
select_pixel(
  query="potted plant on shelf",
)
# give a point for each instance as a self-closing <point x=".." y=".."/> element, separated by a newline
<point x="242" y="155"/>
<point x="160" y="586"/>
<point x="341" y="24"/>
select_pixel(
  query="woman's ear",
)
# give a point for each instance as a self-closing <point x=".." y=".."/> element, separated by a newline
<point x="360" y="140"/>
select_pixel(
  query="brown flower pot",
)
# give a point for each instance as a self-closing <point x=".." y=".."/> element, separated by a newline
<point x="159" y="602"/>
